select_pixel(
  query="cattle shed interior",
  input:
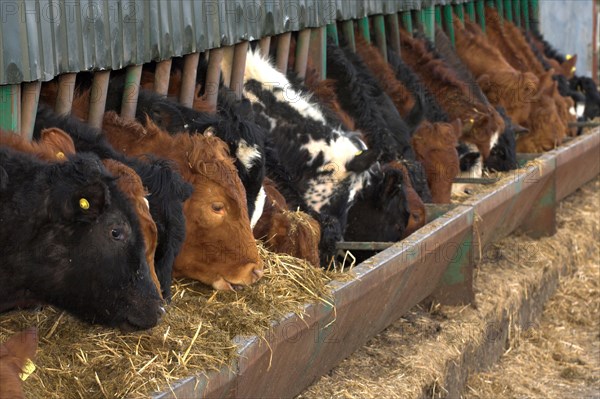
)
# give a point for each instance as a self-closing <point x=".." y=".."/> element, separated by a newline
<point x="318" y="116"/>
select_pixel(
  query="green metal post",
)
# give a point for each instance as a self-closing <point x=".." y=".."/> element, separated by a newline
<point x="534" y="15"/>
<point x="30" y="94"/>
<point x="363" y="28"/>
<point x="379" y="25"/>
<point x="428" y="18"/>
<point x="471" y="10"/>
<point x="407" y="21"/>
<point x="517" y="12"/>
<point x="393" y="32"/>
<point x="448" y="25"/>
<point x="332" y="33"/>
<point x="507" y="10"/>
<point x="525" y="14"/>
<point x="438" y="16"/>
<point x="481" y="14"/>
<point x="500" y="8"/>
<point x="9" y="107"/>
<point x="348" y="29"/>
<point x="460" y="12"/>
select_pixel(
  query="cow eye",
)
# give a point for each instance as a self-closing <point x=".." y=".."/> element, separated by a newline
<point x="217" y="207"/>
<point x="117" y="234"/>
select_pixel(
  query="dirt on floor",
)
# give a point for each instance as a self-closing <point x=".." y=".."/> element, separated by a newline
<point x="557" y="357"/>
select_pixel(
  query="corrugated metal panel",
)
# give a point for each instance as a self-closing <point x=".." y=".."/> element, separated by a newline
<point x="43" y="38"/>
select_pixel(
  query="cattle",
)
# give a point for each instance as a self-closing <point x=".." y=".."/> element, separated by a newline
<point x="16" y="359"/>
<point x="69" y="238"/>
<point x="53" y="145"/>
<point x="166" y="189"/>
<point x="285" y="231"/>
<point x="219" y="248"/>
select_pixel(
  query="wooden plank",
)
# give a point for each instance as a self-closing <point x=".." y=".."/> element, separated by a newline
<point x="131" y="91"/>
<point x="64" y="97"/>
<point x="161" y="77"/>
<point x="238" y="67"/>
<point x="188" y="79"/>
<point x="283" y="51"/>
<point x="98" y="98"/>
<point x="30" y="96"/>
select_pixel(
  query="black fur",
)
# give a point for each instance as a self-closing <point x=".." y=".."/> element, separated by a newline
<point x="503" y="156"/>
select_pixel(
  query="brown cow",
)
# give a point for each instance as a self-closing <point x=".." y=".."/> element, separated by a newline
<point x="284" y="231"/>
<point x="54" y="144"/>
<point x="219" y="248"/>
<point x="16" y="356"/>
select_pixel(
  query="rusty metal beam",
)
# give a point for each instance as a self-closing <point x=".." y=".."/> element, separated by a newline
<point x="264" y="45"/>
<point x="302" y="48"/>
<point x="238" y="67"/>
<point x="213" y="76"/>
<point x="64" y="97"/>
<point x="188" y="79"/>
<point x="283" y="51"/>
<point x="131" y="91"/>
<point x="98" y="98"/>
<point x="161" y="77"/>
<point x="318" y="50"/>
<point x="30" y="96"/>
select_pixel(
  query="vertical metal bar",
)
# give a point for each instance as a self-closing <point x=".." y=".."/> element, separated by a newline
<point x="264" y="45"/>
<point x="448" y="25"/>
<point x="500" y="8"/>
<point x="30" y="96"/>
<point x="407" y="21"/>
<point x="438" y="16"/>
<point x="238" y="67"/>
<point x="318" y="50"/>
<point x="517" y="12"/>
<point x="525" y="14"/>
<point x="507" y="10"/>
<point x="348" y="29"/>
<point x="302" y="48"/>
<point x="9" y="107"/>
<point x="64" y="97"/>
<point x="393" y="32"/>
<point x="428" y="16"/>
<point x="161" y="77"/>
<point x="480" y="14"/>
<point x="460" y="12"/>
<point x="363" y="28"/>
<point x="131" y="91"/>
<point x="379" y="25"/>
<point x="535" y="15"/>
<point x="471" y="10"/>
<point x="283" y="51"/>
<point x="227" y="63"/>
<point x="213" y="75"/>
<point x="332" y="33"/>
<point x="98" y="98"/>
<point x="188" y="79"/>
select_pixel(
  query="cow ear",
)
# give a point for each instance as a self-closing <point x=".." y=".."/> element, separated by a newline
<point x="58" y="141"/>
<point x="568" y="66"/>
<point x="89" y="202"/>
<point x="362" y="161"/>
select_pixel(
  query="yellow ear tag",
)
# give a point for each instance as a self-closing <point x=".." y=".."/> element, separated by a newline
<point x="358" y="153"/>
<point x="568" y="56"/>
<point x="471" y="120"/>
<point x="573" y="69"/>
<point x="84" y="204"/>
<point x="60" y="155"/>
<point x="28" y="369"/>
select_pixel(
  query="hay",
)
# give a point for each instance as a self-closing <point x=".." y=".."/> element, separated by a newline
<point x="76" y="360"/>
<point x="412" y="357"/>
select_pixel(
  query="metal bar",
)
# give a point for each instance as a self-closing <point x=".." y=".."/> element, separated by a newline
<point x="577" y="162"/>
<point x="264" y="45"/>
<point x="583" y="124"/>
<point x="507" y="9"/>
<point x="363" y="28"/>
<point x="161" y="77"/>
<point x="393" y="32"/>
<point x="525" y="13"/>
<point x="318" y="50"/>
<point x="98" y="98"/>
<point x="534" y="15"/>
<point x="438" y="16"/>
<point x="500" y="7"/>
<point x="348" y="30"/>
<point x="64" y="97"/>
<point x="302" y="48"/>
<point x="213" y="75"/>
<point x="517" y="12"/>
<point x="131" y="91"/>
<point x="30" y="96"/>
<point x="474" y="180"/>
<point x="379" y="25"/>
<point x="471" y="10"/>
<point x="448" y="25"/>
<point x="227" y="64"/>
<point x="332" y="33"/>
<point x="283" y="51"/>
<point x="188" y="79"/>
<point x="238" y="67"/>
<point x="362" y="246"/>
<point x="428" y="16"/>
<point x="407" y="21"/>
<point x="460" y="12"/>
<point x="434" y="211"/>
<point x="9" y="107"/>
<point x="480" y="14"/>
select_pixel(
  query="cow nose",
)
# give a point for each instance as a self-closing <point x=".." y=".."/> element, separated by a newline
<point x="257" y="274"/>
<point x="161" y="312"/>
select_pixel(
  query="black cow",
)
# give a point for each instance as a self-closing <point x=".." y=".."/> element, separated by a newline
<point x="167" y="190"/>
<point x="70" y="238"/>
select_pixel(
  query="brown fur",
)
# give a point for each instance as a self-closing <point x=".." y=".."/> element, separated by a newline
<point x="435" y="146"/>
<point x="219" y="248"/>
<point x="54" y="144"/>
<point x="14" y="354"/>
<point x="400" y="95"/>
<point x="293" y="233"/>
<point x="416" y="208"/>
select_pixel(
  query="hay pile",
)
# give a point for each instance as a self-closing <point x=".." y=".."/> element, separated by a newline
<point x="76" y="360"/>
<point x="412" y="357"/>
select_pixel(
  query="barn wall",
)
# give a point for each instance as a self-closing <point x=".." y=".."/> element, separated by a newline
<point x="568" y="25"/>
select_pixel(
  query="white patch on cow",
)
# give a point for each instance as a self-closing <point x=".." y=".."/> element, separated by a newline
<point x="336" y="155"/>
<point x="247" y="154"/>
<point x="476" y="170"/>
<point x="580" y="109"/>
<point x="573" y="111"/>
<point x="261" y="70"/>
<point x="259" y="205"/>
<point x="494" y="139"/>
<point x="146" y="202"/>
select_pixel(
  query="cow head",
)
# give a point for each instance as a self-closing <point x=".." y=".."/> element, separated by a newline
<point x="101" y="274"/>
<point x="15" y="355"/>
<point x="503" y="156"/>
